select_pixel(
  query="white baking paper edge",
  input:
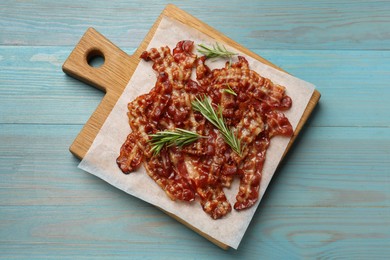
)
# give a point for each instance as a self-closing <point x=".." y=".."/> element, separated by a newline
<point x="100" y="160"/>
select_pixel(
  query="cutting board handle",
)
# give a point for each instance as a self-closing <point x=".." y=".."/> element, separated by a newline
<point x="115" y="71"/>
<point x="111" y="77"/>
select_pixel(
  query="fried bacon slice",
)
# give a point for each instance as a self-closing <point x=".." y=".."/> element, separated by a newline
<point x="201" y="170"/>
<point x="250" y="172"/>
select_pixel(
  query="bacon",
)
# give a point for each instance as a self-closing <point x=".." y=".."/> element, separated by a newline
<point x="239" y="74"/>
<point x="131" y="155"/>
<point x="205" y="174"/>
<point x="214" y="201"/>
<point x="251" y="171"/>
<point x="203" y="72"/>
<point x="278" y="124"/>
<point x="161" y="170"/>
<point x="200" y="171"/>
<point x="205" y="179"/>
<point x="178" y="66"/>
<point x="250" y="126"/>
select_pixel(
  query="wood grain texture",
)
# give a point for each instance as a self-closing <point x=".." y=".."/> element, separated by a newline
<point x="330" y="198"/>
<point x="357" y="78"/>
<point x="281" y="24"/>
<point x="342" y="167"/>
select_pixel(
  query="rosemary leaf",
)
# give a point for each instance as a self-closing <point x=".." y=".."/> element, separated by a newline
<point x="229" y="90"/>
<point x="205" y="107"/>
<point x="215" y="51"/>
<point x="179" y="137"/>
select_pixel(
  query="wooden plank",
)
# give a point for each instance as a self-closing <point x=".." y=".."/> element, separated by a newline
<point x="355" y="88"/>
<point x="354" y="85"/>
<point x="338" y="167"/>
<point x="342" y="149"/>
<point x="278" y="232"/>
<point x="32" y="77"/>
<point x="350" y="164"/>
<point x="281" y="24"/>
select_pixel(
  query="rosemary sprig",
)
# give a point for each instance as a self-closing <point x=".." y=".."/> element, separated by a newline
<point x="215" y="51"/>
<point x="229" y="90"/>
<point x="205" y="107"/>
<point x="179" y="137"/>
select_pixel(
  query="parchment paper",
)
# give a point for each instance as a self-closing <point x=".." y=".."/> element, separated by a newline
<point x="100" y="160"/>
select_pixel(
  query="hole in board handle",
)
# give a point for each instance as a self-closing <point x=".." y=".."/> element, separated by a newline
<point x="95" y="58"/>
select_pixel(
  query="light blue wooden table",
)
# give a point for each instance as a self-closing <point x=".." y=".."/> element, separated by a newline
<point x="329" y="199"/>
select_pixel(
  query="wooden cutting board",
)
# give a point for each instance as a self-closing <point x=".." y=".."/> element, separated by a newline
<point x="118" y="67"/>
